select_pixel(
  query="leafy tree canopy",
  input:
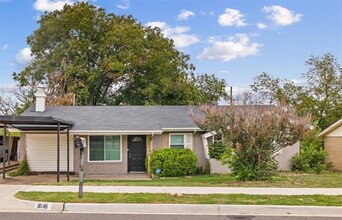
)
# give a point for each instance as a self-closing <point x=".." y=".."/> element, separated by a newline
<point x="108" y="59"/>
<point x="320" y="95"/>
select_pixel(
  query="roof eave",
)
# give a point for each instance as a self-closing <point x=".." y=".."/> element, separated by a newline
<point x="331" y="128"/>
<point x="182" y="129"/>
<point x="121" y="132"/>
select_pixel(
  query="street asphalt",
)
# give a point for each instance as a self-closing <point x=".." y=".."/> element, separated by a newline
<point x="9" y="204"/>
<point x="90" y="216"/>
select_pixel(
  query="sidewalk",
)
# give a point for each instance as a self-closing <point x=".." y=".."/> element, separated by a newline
<point x="8" y="203"/>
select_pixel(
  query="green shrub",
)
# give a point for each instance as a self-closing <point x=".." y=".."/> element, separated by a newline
<point x="299" y="163"/>
<point x="246" y="167"/>
<point x="312" y="156"/>
<point x="23" y="169"/>
<point x="173" y="162"/>
<point x="217" y="149"/>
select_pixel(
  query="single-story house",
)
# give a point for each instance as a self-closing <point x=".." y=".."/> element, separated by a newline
<point x="333" y="144"/>
<point x="118" y="138"/>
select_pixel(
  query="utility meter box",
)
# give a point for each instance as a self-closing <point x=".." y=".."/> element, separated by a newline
<point x="80" y="142"/>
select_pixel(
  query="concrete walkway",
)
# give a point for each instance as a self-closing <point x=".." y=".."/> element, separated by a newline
<point x="8" y="203"/>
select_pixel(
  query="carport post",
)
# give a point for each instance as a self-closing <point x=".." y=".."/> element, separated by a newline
<point x="58" y="143"/>
<point x="4" y="154"/>
<point x="68" y="173"/>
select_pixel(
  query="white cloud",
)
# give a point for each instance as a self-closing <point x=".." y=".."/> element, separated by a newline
<point x="159" y="24"/>
<point x="50" y="5"/>
<point x="299" y="82"/>
<point x="185" y="14"/>
<point x="124" y="4"/>
<point x="232" y="17"/>
<point x="7" y="86"/>
<point x="281" y="16"/>
<point x="23" y="58"/>
<point x="179" y="34"/>
<point x="5" y="46"/>
<point x="261" y="25"/>
<point x="234" y="47"/>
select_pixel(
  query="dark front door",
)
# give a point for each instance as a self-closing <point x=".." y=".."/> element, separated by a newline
<point x="136" y="152"/>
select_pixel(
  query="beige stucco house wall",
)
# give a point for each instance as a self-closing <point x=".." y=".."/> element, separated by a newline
<point x="333" y="144"/>
<point x="40" y="150"/>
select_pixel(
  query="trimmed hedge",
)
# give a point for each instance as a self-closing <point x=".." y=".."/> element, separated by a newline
<point x="173" y="162"/>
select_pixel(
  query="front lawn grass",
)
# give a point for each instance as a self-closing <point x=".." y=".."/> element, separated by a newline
<point x="284" y="179"/>
<point x="150" y="198"/>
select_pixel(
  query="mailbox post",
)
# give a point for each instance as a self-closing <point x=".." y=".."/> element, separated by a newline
<point x="81" y="144"/>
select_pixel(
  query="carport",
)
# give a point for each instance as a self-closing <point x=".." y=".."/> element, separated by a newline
<point x="38" y="123"/>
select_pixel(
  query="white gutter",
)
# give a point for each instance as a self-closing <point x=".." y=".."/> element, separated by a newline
<point x="182" y="129"/>
<point x="122" y="132"/>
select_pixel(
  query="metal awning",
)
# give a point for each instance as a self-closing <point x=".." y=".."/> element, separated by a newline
<point x="34" y="120"/>
<point x="41" y="123"/>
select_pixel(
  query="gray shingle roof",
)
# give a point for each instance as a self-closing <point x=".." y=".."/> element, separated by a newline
<point x="121" y="118"/>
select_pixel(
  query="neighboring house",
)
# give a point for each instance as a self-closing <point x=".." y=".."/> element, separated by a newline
<point x="11" y="145"/>
<point x="119" y="138"/>
<point x="333" y="144"/>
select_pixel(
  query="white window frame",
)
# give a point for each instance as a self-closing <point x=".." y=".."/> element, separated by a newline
<point x="104" y="161"/>
<point x="184" y="138"/>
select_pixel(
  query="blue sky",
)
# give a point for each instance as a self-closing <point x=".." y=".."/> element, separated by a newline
<point x="234" y="39"/>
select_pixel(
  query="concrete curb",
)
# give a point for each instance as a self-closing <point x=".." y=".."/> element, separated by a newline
<point x="8" y="202"/>
<point x="29" y="206"/>
<point x="190" y="209"/>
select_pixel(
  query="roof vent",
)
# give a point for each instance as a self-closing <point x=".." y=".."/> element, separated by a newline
<point x="40" y="99"/>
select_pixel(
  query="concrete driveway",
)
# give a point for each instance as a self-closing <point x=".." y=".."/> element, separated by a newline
<point x="52" y="178"/>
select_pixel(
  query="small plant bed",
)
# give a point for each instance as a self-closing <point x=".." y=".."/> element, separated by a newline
<point x="23" y="169"/>
<point x="149" y="198"/>
<point x="284" y="179"/>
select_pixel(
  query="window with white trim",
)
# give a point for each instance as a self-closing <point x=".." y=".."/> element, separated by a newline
<point x="180" y="141"/>
<point x="104" y="148"/>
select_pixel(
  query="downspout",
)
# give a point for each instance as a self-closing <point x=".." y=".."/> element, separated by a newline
<point x="149" y="154"/>
<point x="152" y="135"/>
<point x="193" y="139"/>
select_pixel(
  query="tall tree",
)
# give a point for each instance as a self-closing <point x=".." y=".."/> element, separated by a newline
<point x="109" y="59"/>
<point x="323" y="94"/>
<point x="7" y="104"/>
<point x="320" y="95"/>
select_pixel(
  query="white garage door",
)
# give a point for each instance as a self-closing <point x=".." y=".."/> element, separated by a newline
<point x="41" y="151"/>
